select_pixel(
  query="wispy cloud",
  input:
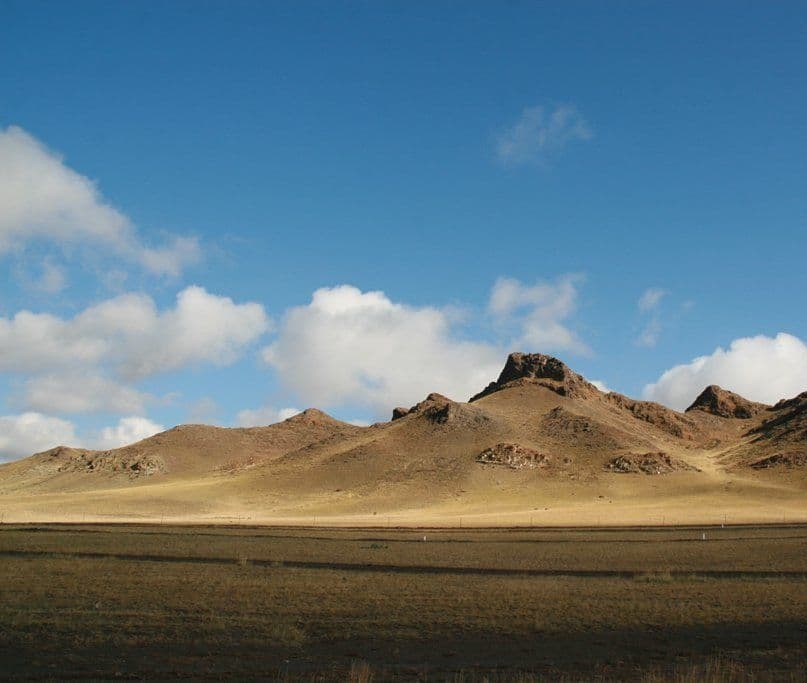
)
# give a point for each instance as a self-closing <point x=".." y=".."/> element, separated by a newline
<point x="650" y="334"/>
<point x="649" y="305"/>
<point x="651" y="298"/>
<point x="540" y="132"/>
<point x="265" y="415"/>
<point x="537" y="314"/>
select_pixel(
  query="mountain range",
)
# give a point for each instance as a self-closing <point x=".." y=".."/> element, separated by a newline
<point x="539" y="445"/>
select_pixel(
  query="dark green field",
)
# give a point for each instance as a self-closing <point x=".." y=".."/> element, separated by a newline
<point x="325" y="604"/>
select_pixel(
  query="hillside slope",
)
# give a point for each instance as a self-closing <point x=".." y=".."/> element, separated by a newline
<point x="539" y="441"/>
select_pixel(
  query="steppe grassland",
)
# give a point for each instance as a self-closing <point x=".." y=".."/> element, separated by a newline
<point x="308" y="603"/>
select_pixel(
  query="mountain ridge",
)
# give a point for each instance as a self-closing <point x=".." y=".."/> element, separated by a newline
<point x="540" y="432"/>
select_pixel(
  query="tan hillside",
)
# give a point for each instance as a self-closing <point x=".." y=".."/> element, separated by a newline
<point x="538" y="445"/>
<point x="777" y="442"/>
<point x="179" y="452"/>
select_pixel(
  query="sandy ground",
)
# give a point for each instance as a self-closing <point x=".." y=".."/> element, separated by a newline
<point x="614" y="500"/>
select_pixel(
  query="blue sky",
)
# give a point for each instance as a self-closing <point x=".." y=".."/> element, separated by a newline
<point x="618" y="184"/>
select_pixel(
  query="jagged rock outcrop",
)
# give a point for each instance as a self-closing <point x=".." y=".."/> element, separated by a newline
<point x="439" y="409"/>
<point x="797" y="402"/>
<point x="399" y="412"/>
<point x="779" y="460"/>
<point x="546" y="371"/>
<point x="723" y="403"/>
<point x="513" y="455"/>
<point x="787" y="424"/>
<point x="131" y="463"/>
<point x="648" y="463"/>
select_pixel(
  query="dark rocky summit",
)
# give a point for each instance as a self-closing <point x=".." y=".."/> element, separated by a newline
<point x="717" y="401"/>
<point x="537" y="368"/>
<point x="399" y="412"/>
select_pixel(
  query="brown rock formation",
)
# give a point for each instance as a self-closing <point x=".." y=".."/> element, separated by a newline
<point x="717" y="401"/>
<point x="537" y="368"/>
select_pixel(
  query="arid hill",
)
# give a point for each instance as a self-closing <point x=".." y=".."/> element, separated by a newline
<point x="717" y="401"/>
<point x="540" y="440"/>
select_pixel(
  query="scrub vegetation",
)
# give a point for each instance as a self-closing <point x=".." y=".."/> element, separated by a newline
<point x="352" y="604"/>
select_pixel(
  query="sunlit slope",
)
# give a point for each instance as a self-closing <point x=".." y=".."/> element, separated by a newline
<point x="539" y="444"/>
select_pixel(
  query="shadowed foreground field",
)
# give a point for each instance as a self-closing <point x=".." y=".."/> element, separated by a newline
<point x="313" y="604"/>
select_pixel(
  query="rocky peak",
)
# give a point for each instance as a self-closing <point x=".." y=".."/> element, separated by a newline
<point x="433" y="403"/>
<point x="311" y="416"/>
<point x="795" y="402"/>
<point x="441" y="410"/>
<point x="717" y="401"/>
<point x="538" y="368"/>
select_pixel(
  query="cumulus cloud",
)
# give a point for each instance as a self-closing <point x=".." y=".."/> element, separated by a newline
<point x="265" y="415"/>
<point x="540" y="132"/>
<point x="74" y="392"/>
<point x="760" y="368"/>
<point x="31" y="432"/>
<point x="90" y="363"/>
<point x="127" y="431"/>
<point x="130" y="334"/>
<point x="602" y="386"/>
<point x="536" y="314"/>
<point x="41" y="198"/>
<point x="352" y="347"/>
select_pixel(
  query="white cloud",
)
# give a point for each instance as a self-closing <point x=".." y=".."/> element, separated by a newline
<point x="649" y="304"/>
<point x="171" y="259"/>
<point x="43" y="199"/>
<point x="538" y="312"/>
<point x="131" y="335"/>
<point x="760" y="368"/>
<point x="359" y="423"/>
<point x="91" y="362"/>
<point x="203" y="411"/>
<point x="265" y="415"/>
<point x="73" y="392"/>
<point x="650" y="334"/>
<point x="602" y="386"/>
<point x="540" y="132"/>
<point x="30" y="432"/>
<point x="127" y="431"/>
<point x="52" y="280"/>
<point x="651" y="298"/>
<point x="201" y="328"/>
<point x="354" y="347"/>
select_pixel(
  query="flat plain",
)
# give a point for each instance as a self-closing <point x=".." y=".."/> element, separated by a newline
<point x="166" y="602"/>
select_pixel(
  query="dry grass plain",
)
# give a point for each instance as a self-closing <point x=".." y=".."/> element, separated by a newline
<point x="159" y="602"/>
